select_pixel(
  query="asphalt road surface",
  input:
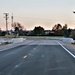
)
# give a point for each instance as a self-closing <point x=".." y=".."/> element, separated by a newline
<point x="39" y="57"/>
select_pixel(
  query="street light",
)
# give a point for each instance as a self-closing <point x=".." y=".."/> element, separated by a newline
<point x="74" y="12"/>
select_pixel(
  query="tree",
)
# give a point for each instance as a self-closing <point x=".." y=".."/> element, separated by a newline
<point x="66" y="32"/>
<point x="17" y="27"/>
<point x="38" y="30"/>
<point x="65" y="27"/>
<point x="16" y="24"/>
<point x="0" y="32"/>
<point x="73" y="34"/>
<point x="57" y="29"/>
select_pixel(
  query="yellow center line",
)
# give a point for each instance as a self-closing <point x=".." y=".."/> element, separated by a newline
<point x="34" y="48"/>
<point x="25" y="56"/>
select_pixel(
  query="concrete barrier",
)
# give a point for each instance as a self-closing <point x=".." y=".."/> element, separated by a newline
<point x="17" y="40"/>
<point x="2" y="41"/>
<point x="67" y="40"/>
<point x="14" y="40"/>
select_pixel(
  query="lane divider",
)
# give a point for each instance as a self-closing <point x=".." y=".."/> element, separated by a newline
<point x="66" y="50"/>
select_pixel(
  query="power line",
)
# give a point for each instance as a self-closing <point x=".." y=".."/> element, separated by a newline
<point x="39" y="19"/>
<point x="31" y="18"/>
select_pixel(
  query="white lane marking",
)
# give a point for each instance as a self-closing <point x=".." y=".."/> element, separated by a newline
<point x="34" y="48"/>
<point x="29" y="54"/>
<point x="25" y="56"/>
<point x="66" y="50"/>
<point x="42" y="56"/>
<point x="6" y="49"/>
<point x="17" y="66"/>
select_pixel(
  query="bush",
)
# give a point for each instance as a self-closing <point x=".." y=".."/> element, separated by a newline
<point x="3" y="33"/>
<point x="73" y="34"/>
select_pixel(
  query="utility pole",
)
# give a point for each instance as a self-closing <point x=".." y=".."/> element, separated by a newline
<point x="12" y="20"/>
<point x="6" y="18"/>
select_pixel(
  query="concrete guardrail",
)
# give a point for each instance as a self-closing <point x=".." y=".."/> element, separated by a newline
<point x="67" y="40"/>
<point x="14" y="40"/>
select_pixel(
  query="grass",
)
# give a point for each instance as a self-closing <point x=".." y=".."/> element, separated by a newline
<point x="43" y="37"/>
<point x="50" y="37"/>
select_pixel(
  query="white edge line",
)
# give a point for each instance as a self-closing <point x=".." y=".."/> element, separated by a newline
<point x="5" y="49"/>
<point x="8" y="48"/>
<point x="66" y="50"/>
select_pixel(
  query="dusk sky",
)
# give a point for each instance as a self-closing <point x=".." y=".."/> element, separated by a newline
<point x="45" y="13"/>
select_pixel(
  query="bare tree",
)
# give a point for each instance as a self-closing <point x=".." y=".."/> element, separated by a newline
<point x="17" y="27"/>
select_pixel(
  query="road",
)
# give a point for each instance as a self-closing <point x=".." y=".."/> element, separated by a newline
<point x="39" y="57"/>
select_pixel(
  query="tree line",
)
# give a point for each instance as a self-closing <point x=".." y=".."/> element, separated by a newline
<point x="57" y="30"/>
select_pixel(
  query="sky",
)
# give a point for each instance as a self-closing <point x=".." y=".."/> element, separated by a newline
<point x="31" y="13"/>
